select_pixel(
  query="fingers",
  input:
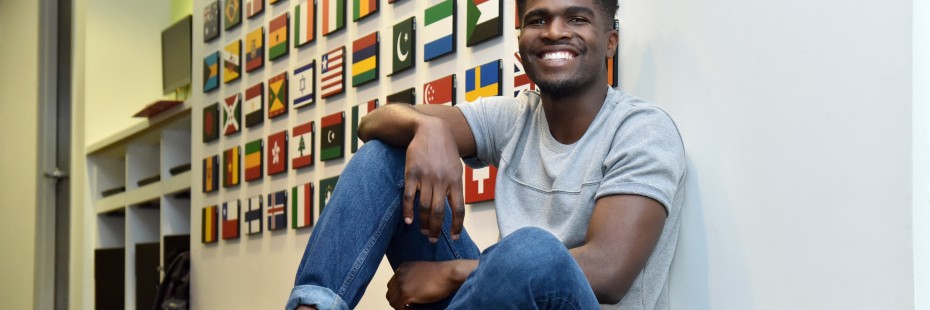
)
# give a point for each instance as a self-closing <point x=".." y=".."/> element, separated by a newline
<point x="410" y="193"/>
<point x="426" y="194"/>
<point x="438" y="212"/>
<point x="457" y="203"/>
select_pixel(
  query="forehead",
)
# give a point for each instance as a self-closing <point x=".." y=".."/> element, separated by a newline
<point x="554" y="6"/>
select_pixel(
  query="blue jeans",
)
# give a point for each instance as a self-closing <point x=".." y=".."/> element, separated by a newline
<point x="528" y="269"/>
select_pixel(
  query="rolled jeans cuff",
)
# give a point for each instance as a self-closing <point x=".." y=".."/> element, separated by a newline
<point x="320" y="297"/>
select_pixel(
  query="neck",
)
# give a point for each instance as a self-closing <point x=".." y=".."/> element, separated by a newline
<point x="569" y="116"/>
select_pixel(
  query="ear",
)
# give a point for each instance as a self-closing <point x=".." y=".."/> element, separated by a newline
<point x="613" y="38"/>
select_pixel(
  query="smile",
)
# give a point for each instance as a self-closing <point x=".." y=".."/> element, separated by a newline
<point x="560" y="55"/>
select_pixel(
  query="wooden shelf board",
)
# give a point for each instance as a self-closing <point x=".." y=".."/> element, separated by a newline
<point x="138" y="131"/>
<point x="143" y="194"/>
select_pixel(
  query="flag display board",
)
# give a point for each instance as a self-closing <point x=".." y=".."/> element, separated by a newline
<point x="302" y="84"/>
<point x="211" y="21"/>
<point x="278" y="37"/>
<point x="254" y="105"/>
<point x="277" y="210"/>
<point x="231" y="220"/>
<point x="483" y="81"/>
<point x="253" y="160"/>
<point x="255" y="49"/>
<point x="232" y="114"/>
<point x="440" y="91"/>
<point x="439" y="34"/>
<point x="211" y="173"/>
<point x="208" y="225"/>
<point x="358" y="112"/>
<point x="403" y="47"/>
<point x="483" y="21"/>
<point x="232" y="13"/>
<point x="277" y="95"/>
<point x="302" y="206"/>
<point x="521" y="81"/>
<point x="231" y="167"/>
<point x="327" y="186"/>
<point x="334" y="15"/>
<point x="304" y="23"/>
<point x="253" y="7"/>
<point x="302" y="144"/>
<point x="404" y="96"/>
<point x="613" y="76"/>
<point x="211" y="72"/>
<point x="277" y="153"/>
<point x="365" y="59"/>
<point x="232" y="54"/>
<point x="253" y="215"/>
<point x="332" y="136"/>
<point x="332" y="77"/>
<point x="363" y="8"/>
<point x="479" y="184"/>
<point x="211" y="122"/>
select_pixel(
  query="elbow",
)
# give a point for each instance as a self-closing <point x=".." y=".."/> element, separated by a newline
<point x="613" y="286"/>
<point x="364" y="129"/>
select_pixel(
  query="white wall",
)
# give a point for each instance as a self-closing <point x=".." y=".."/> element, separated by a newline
<point x="796" y="117"/>
<point x="921" y="153"/>
<point x="19" y="24"/>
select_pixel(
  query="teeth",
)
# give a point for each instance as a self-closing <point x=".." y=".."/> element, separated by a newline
<point x="557" y="56"/>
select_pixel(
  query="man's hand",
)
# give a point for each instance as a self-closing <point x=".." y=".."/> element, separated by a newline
<point x="427" y="282"/>
<point x="434" y="169"/>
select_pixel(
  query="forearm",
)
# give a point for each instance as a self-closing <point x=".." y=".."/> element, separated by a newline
<point x="394" y="124"/>
<point x="609" y="284"/>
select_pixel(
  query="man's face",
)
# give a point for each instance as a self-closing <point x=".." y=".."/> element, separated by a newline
<point x="564" y="44"/>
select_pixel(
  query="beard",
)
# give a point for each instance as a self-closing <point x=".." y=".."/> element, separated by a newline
<point x="564" y="84"/>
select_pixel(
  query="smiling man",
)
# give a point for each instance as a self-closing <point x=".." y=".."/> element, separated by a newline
<point x="588" y="195"/>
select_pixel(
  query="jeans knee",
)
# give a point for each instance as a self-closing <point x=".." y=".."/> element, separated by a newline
<point x="532" y="250"/>
<point x="376" y="156"/>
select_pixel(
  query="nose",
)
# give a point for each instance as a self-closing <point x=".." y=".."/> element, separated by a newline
<point x="557" y="30"/>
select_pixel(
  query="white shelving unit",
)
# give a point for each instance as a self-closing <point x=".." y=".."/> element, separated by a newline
<point x="140" y="215"/>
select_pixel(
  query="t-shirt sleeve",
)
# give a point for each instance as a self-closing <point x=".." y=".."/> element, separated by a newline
<point x="492" y="121"/>
<point x="646" y="158"/>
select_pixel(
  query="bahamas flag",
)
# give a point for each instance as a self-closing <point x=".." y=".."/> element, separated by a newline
<point x="440" y="30"/>
<point x="211" y="72"/>
<point x="365" y="59"/>
<point x="277" y="37"/>
<point x="483" y="81"/>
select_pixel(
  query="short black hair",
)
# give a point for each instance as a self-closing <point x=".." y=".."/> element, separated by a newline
<point x="608" y="7"/>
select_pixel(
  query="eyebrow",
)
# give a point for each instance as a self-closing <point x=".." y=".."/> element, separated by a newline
<point x="573" y="10"/>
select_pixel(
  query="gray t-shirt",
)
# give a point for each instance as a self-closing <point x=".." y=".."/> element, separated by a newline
<point x="631" y="147"/>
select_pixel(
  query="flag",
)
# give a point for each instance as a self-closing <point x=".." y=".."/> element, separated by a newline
<point x="365" y="59"/>
<point x="253" y="7"/>
<point x="208" y="225"/>
<point x="304" y="23"/>
<point x="334" y="15"/>
<point x="253" y="215"/>
<point x="327" y="186"/>
<point x="484" y="21"/>
<point x="211" y="173"/>
<point x="211" y="122"/>
<point x="358" y="112"/>
<point x="277" y="153"/>
<point x="404" y="40"/>
<point x="363" y="8"/>
<point x="277" y="37"/>
<point x="441" y="91"/>
<point x="232" y="14"/>
<point x="613" y="78"/>
<point x="277" y="210"/>
<point x="331" y="75"/>
<point x="301" y="147"/>
<point x="302" y="84"/>
<point x="521" y="81"/>
<point x="232" y="113"/>
<point x="231" y="220"/>
<point x="211" y="21"/>
<point x="277" y="95"/>
<point x="302" y="206"/>
<point x="404" y="96"/>
<point x="254" y="49"/>
<point x="440" y="30"/>
<point x="273" y="1"/>
<point x="254" y="105"/>
<point x="231" y="167"/>
<point x="231" y="57"/>
<point x="483" y="81"/>
<point x="211" y="72"/>
<point x="479" y="184"/>
<point x="516" y="18"/>
<point x="332" y="136"/>
<point x="253" y="160"/>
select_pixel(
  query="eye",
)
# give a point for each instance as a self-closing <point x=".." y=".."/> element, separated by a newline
<point x="534" y="22"/>
<point x="578" y="20"/>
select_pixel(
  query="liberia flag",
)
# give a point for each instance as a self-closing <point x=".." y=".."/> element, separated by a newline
<point x="302" y="145"/>
<point x="253" y="217"/>
<point x="208" y="225"/>
<point x="332" y="77"/>
<point x="277" y="213"/>
<point x="304" y="23"/>
<point x="231" y="220"/>
<point x="521" y="82"/>
<point x="441" y="91"/>
<point x="253" y="160"/>
<point x="358" y="112"/>
<point x="302" y="206"/>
